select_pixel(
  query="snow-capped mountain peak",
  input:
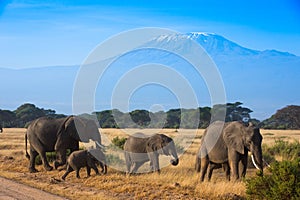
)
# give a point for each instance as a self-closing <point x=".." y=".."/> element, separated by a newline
<point x="213" y="43"/>
<point x="194" y="35"/>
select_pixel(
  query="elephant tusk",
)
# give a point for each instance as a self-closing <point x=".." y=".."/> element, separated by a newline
<point x="253" y="161"/>
<point x="266" y="163"/>
<point x="99" y="145"/>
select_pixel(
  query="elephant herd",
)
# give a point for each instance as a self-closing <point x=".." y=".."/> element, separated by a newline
<point x="222" y="145"/>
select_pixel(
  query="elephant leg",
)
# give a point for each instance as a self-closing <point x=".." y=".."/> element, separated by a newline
<point x="88" y="170"/>
<point x="33" y="155"/>
<point x="128" y="162"/>
<point x="244" y="165"/>
<point x="104" y="167"/>
<point x="226" y="169"/>
<point x="101" y="166"/>
<point x="77" y="173"/>
<point x="45" y="161"/>
<point x="61" y="158"/>
<point x="69" y="169"/>
<point x="234" y="165"/>
<point x="204" y="166"/>
<point x="37" y="147"/>
<point x="154" y="162"/>
<point x="235" y="170"/>
<point x="94" y="167"/>
<point x="135" y="166"/>
<point x="210" y="170"/>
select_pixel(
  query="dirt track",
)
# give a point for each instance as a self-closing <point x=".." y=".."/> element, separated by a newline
<point x="11" y="190"/>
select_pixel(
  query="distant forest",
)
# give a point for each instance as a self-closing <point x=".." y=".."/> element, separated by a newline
<point x="285" y="118"/>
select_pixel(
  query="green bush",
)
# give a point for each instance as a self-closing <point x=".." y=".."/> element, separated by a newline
<point x="119" y="142"/>
<point x="281" y="182"/>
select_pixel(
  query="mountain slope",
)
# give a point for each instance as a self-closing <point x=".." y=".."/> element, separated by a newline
<point x="217" y="45"/>
<point x="263" y="80"/>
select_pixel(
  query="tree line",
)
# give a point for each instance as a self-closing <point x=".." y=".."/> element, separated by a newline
<point x="24" y="114"/>
<point x="173" y="118"/>
<point x="286" y="118"/>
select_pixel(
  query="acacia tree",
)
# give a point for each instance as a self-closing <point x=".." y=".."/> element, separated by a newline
<point x="235" y="112"/>
<point x="140" y="117"/>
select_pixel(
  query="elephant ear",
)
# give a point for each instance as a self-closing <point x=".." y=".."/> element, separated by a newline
<point x="154" y="143"/>
<point x="233" y="136"/>
<point x="67" y="130"/>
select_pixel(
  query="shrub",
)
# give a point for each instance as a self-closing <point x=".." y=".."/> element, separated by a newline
<point x="287" y="150"/>
<point x="282" y="182"/>
<point x="51" y="157"/>
<point x="119" y="142"/>
<point x="114" y="160"/>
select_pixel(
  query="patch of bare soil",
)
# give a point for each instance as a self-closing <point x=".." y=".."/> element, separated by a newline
<point x="13" y="190"/>
<point x="16" y="170"/>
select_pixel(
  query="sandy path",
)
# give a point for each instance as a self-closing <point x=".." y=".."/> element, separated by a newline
<point x="11" y="190"/>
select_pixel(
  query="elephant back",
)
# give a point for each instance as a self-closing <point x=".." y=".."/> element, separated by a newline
<point x="136" y="143"/>
<point x="44" y="130"/>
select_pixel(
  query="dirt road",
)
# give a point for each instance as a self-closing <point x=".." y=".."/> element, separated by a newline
<point x="11" y="190"/>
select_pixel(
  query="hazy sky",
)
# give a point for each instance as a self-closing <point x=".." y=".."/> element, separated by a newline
<point x="37" y="33"/>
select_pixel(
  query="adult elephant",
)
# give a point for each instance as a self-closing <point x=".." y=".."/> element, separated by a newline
<point x="47" y="134"/>
<point x="224" y="143"/>
<point x="140" y="148"/>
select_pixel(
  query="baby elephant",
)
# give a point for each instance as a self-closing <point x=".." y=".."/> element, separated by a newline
<point x="83" y="158"/>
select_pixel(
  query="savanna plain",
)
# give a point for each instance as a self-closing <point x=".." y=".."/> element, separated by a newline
<point x="174" y="182"/>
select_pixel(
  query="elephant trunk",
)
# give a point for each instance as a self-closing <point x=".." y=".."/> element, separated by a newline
<point x="174" y="161"/>
<point x="172" y="151"/>
<point x="257" y="160"/>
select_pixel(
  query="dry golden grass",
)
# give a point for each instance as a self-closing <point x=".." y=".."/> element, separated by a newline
<point x="180" y="182"/>
<point x="288" y="135"/>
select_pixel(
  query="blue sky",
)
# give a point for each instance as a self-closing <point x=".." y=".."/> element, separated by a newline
<point x="36" y="33"/>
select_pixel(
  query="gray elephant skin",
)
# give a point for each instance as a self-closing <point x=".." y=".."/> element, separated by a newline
<point x="140" y="148"/>
<point x="84" y="158"/>
<point x="1" y="130"/>
<point x="212" y="166"/>
<point x="228" y="144"/>
<point x="47" y="135"/>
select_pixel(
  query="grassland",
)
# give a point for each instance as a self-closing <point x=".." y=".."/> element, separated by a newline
<point x="180" y="182"/>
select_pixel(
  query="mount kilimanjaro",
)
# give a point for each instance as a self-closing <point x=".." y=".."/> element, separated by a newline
<point x="263" y="80"/>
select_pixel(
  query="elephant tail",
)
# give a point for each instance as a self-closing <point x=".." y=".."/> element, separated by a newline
<point x="27" y="154"/>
